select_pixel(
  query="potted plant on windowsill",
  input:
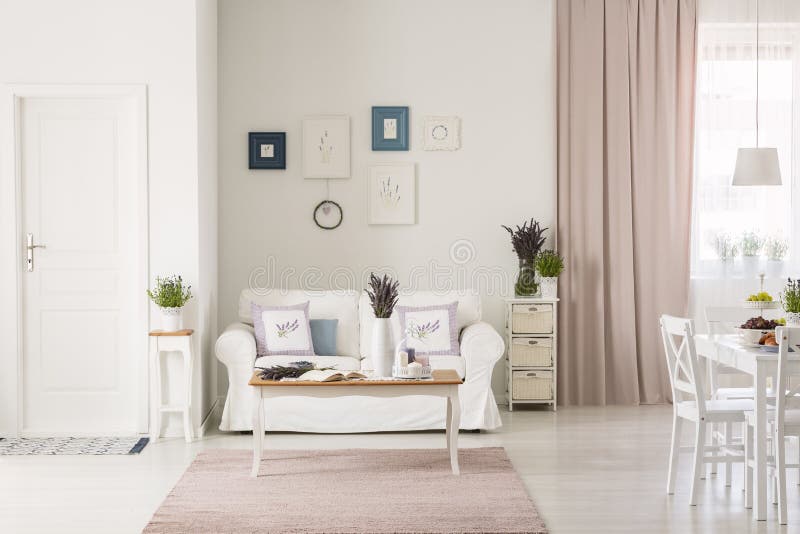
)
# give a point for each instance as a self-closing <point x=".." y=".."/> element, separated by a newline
<point x="726" y="251"/>
<point x="775" y="248"/>
<point x="549" y="265"/>
<point x="751" y="244"/>
<point x="790" y="298"/>
<point x="527" y="241"/>
<point x="383" y="296"/>
<point x="170" y="295"/>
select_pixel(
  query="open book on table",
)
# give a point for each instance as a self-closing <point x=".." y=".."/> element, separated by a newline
<point x="329" y="375"/>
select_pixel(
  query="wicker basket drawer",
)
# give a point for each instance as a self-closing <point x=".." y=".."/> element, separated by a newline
<point x="532" y="385"/>
<point x="531" y="352"/>
<point x="532" y="319"/>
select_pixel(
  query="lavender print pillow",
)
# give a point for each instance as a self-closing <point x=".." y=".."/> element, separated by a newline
<point x="282" y="330"/>
<point x="430" y="330"/>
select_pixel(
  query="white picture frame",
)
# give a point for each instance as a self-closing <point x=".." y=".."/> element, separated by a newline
<point x="326" y="146"/>
<point x="392" y="193"/>
<point x="441" y="132"/>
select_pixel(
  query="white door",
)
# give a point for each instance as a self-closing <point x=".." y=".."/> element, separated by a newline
<point x="81" y="201"/>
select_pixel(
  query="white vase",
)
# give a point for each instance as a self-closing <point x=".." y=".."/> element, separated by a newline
<point x="171" y="319"/>
<point x="381" y="350"/>
<point x="750" y="266"/>
<point x="792" y="319"/>
<point x="774" y="269"/>
<point x="548" y="287"/>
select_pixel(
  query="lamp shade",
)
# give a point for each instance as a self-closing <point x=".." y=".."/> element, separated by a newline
<point x="757" y="166"/>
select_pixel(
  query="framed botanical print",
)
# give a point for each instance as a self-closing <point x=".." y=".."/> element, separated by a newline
<point x="267" y="150"/>
<point x="441" y="133"/>
<point x="392" y="195"/>
<point x="326" y="146"/>
<point x="390" y="128"/>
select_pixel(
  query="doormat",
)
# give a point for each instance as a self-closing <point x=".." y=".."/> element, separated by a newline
<point x="55" y="446"/>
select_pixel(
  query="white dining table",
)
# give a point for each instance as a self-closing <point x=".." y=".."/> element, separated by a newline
<point x="727" y="350"/>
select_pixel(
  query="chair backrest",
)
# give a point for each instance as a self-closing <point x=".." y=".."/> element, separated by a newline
<point x="788" y="339"/>
<point x="721" y="320"/>
<point x="685" y="375"/>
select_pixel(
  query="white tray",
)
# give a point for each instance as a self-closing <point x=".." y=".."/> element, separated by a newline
<point x="761" y="304"/>
<point x="411" y="372"/>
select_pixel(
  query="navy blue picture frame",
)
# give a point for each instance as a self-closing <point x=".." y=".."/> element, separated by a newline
<point x="400" y="115"/>
<point x="277" y="160"/>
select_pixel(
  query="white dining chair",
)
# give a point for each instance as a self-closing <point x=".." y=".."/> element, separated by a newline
<point x="690" y="404"/>
<point x="784" y="422"/>
<point x="720" y="321"/>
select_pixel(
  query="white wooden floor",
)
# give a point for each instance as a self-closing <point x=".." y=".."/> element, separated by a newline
<point x="587" y="469"/>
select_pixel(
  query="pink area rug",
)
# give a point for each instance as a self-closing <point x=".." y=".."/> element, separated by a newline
<point x="354" y="490"/>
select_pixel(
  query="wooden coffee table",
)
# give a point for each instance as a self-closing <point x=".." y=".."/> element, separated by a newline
<point x="445" y="383"/>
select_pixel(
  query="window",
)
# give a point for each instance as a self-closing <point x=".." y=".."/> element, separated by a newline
<point x="724" y="121"/>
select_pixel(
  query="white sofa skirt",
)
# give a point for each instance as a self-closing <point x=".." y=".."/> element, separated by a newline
<point x="369" y="414"/>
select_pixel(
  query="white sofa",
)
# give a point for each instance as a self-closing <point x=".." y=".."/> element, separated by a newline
<point x="481" y="347"/>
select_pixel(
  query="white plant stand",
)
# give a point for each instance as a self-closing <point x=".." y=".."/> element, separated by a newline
<point x="160" y="342"/>
<point x="532" y="351"/>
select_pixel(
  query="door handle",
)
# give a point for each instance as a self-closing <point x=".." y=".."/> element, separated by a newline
<point x="29" y="247"/>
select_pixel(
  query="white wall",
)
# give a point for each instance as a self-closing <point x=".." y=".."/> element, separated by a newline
<point x="148" y="42"/>
<point x="491" y="63"/>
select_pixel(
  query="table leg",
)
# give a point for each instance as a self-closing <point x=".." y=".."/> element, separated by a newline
<point x="155" y="423"/>
<point x="258" y="430"/>
<point x="452" y="425"/>
<point x="760" y="444"/>
<point x="188" y="369"/>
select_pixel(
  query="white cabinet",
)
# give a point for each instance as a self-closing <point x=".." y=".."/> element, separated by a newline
<point x="531" y="351"/>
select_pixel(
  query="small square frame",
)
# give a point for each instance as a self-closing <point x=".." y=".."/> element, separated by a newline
<point x="441" y="133"/>
<point x="255" y="140"/>
<point x="397" y="113"/>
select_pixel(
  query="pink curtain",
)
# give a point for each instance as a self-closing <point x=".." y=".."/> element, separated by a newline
<point x="626" y="72"/>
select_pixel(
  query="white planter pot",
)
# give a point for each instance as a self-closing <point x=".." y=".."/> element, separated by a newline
<point x="750" y="266"/>
<point x="171" y="319"/>
<point x="774" y="269"/>
<point x="548" y="287"/>
<point x="792" y="319"/>
<point x="381" y="351"/>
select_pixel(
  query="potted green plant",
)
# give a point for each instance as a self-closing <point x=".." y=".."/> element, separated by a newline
<point x="775" y="248"/>
<point x="750" y="244"/>
<point x="170" y="295"/>
<point x="726" y="250"/>
<point x="383" y="295"/>
<point x="790" y="298"/>
<point x="527" y="241"/>
<point x="549" y="265"/>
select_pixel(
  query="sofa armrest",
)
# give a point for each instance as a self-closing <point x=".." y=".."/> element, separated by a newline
<point x="481" y="348"/>
<point x="237" y="345"/>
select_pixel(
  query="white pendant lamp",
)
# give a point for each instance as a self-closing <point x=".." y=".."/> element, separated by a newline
<point x="757" y="166"/>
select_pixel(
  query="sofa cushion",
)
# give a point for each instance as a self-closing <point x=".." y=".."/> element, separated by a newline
<point x="323" y="335"/>
<point x="341" y="363"/>
<point x="282" y="330"/>
<point x="467" y="313"/>
<point x="341" y="305"/>
<point x="429" y="329"/>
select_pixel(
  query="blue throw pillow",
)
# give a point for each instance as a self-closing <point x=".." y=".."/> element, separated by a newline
<point x="323" y="336"/>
